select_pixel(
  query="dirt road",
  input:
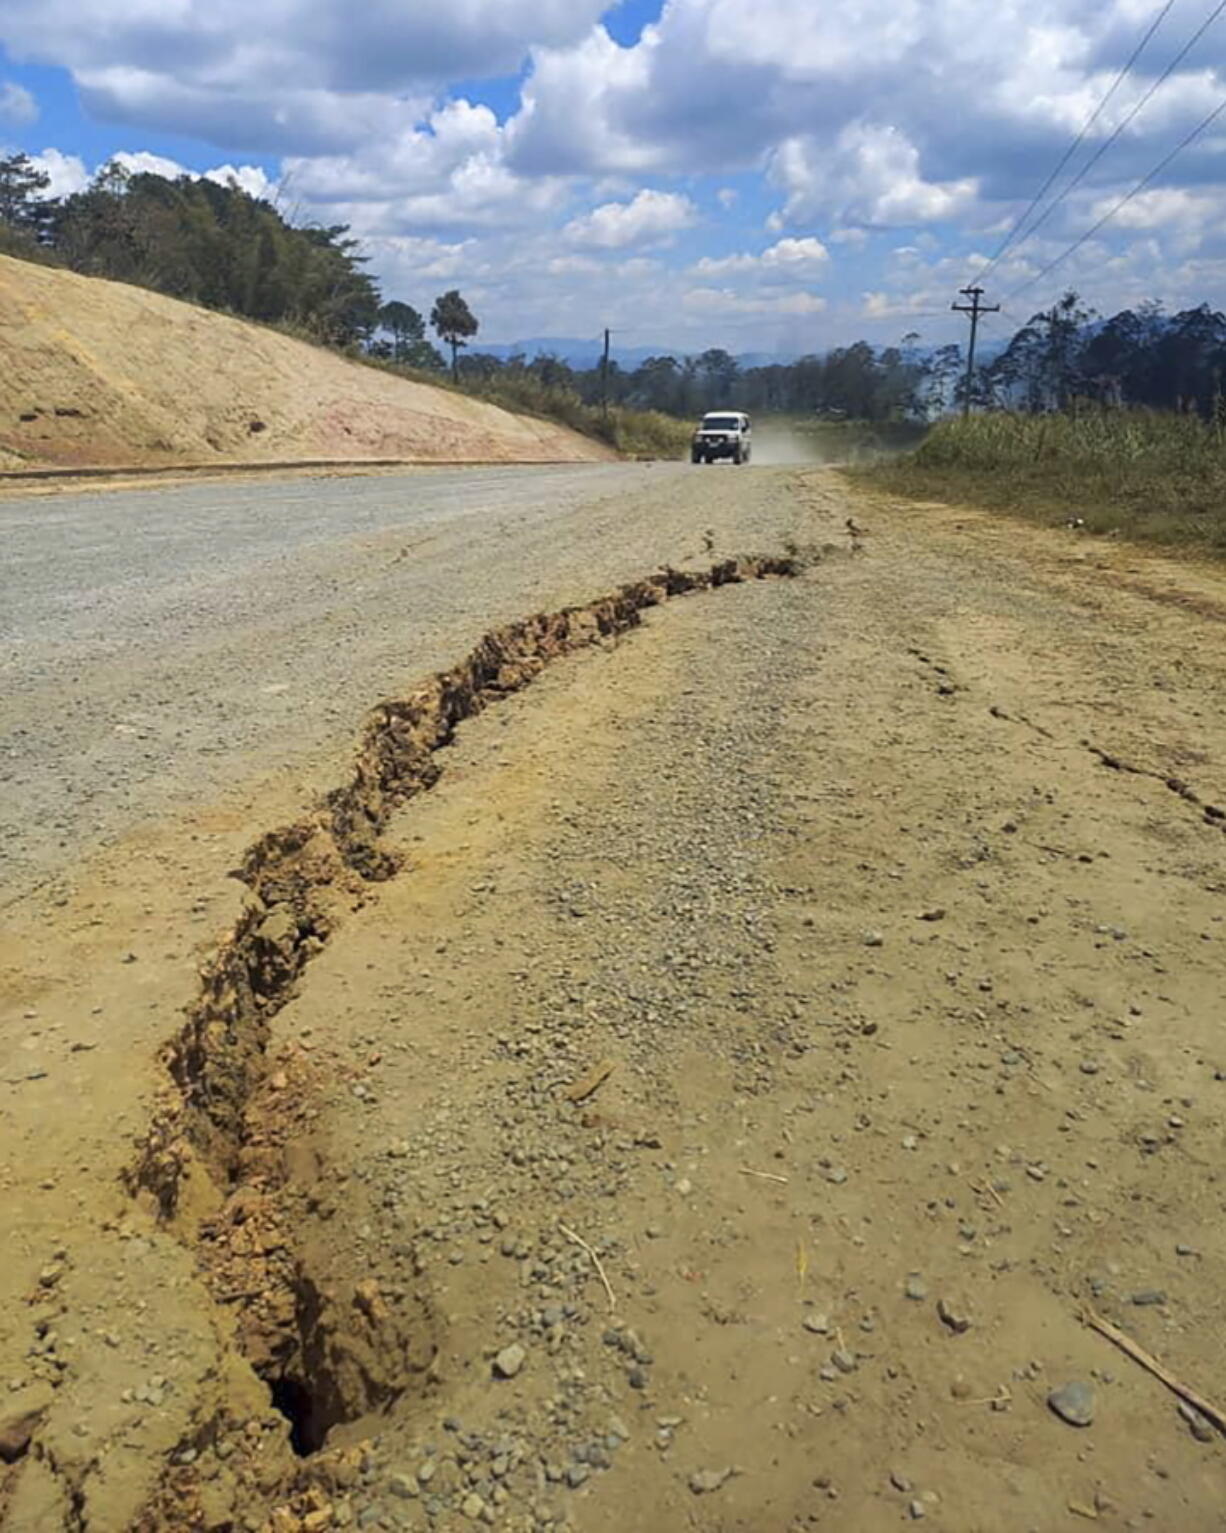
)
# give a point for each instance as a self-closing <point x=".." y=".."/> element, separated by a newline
<point x="166" y="643"/>
<point x="720" y="1101"/>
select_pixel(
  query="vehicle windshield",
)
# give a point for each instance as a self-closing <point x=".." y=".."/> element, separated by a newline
<point x="721" y="422"/>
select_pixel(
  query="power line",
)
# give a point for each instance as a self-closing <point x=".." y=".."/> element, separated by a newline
<point x="1077" y="142"/>
<point x="1196" y="132"/>
<point x="1107" y="143"/>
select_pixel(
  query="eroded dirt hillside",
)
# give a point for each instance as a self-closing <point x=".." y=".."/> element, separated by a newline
<point x="102" y="374"/>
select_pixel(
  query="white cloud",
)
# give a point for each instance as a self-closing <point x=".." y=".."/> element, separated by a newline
<point x="788" y="259"/>
<point x="17" y="105"/>
<point x="251" y="179"/>
<point x="142" y="163"/>
<point x="406" y="258"/>
<point x="446" y="171"/>
<point x="67" y="173"/>
<point x="284" y="74"/>
<point x="871" y="175"/>
<point x="650" y="218"/>
<point x="728" y="301"/>
<point x="1164" y="207"/>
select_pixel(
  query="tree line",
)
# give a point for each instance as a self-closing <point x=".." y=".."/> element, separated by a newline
<point x="217" y="246"/>
<point x="1139" y="357"/>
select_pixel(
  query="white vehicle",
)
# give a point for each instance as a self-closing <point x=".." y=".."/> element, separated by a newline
<point x="723" y="434"/>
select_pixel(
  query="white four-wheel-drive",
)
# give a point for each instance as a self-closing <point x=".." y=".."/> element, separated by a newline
<point x="723" y="434"/>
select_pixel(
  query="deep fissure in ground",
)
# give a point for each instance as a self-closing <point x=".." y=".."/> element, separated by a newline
<point x="330" y="1358"/>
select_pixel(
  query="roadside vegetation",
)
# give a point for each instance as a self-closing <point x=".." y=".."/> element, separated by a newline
<point x="1116" y="425"/>
<point x="1143" y="474"/>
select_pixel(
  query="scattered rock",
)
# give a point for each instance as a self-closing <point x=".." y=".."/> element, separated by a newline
<point x="915" y="1287"/>
<point x="916" y="1510"/>
<point x="1200" y="1427"/>
<point x="874" y="939"/>
<point x="1145" y="1296"/>
<point x="1073" y="1403"/>
<point x="954" y="1315"/>
<point x="843" y="1360"/>
<point x="818" y="1324"/>
<point x="704" y="1481"/>
<point x="16" y="1433"/>
<point x="509" y="1361"/>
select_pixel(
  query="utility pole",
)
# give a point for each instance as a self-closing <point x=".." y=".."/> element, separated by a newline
<point x="974" y="309"/>
<point x="604" y="377"/>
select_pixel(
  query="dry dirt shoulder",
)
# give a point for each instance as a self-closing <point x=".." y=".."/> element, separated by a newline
<point x="892" y="895"/>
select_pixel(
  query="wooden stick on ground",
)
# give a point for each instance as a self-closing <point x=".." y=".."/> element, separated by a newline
<point x="985" y="1189"/>
<point x="596" y="1262"/>
<point x="766" y="1176"/>
<point x="1151" y="1364"/>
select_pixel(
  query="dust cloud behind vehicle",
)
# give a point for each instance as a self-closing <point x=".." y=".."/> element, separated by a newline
<point x="780" y="440"/>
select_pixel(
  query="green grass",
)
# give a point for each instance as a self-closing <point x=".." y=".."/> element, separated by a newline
<point x="1155" y="477"/>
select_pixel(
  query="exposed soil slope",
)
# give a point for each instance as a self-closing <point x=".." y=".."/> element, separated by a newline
<point x="100" y="373"/>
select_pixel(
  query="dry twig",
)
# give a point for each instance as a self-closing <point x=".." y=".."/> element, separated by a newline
<point x="1151" y="1364"/>
<point x="767" y="1176"/>
<point x="1001" y="1397"/>
<point x="596" y="1262"/>
<point x="590" y="1083"/>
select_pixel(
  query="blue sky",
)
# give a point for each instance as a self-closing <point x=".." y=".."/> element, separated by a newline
<point x="779" y="176"/>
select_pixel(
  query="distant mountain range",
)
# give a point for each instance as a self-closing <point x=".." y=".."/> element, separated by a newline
<point x="581" y="354"/>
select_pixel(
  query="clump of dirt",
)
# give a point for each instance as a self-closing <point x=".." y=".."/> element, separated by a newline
<point x="102" y="374"/>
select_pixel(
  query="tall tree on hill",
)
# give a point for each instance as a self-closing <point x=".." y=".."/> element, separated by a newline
<point x="454" y="323"/>
<point x="404" y="324"/>
<point x="24" y="204"/>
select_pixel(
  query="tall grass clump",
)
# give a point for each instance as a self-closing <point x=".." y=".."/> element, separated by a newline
<point x="1141" y="473"/>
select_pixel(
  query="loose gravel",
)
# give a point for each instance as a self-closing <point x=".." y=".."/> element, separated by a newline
<point x="164" y="645"/>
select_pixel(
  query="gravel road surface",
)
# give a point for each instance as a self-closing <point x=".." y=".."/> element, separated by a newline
<point x="778" y="1084"/>
<point x="165" y="644"/>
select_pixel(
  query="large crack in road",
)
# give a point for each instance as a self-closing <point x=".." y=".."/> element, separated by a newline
<point x="713" y="1104"/>
<point x="326" y="1365"/>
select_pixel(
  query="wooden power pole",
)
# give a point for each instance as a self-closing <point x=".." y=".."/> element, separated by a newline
<point x="974" y="309"/>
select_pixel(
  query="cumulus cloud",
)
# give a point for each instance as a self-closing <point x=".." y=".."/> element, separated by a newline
<point x="17" y="105"/>
<point x="447" y="171"/>
<point x="870" y="175"/>
<point x="65" y="172"/>
<point x="652" y="217"/>
<point x="68" y="173"/>
<point x="286" y="73"/>
<point x="787" y="260"/>
<point x="142" y="163"/>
